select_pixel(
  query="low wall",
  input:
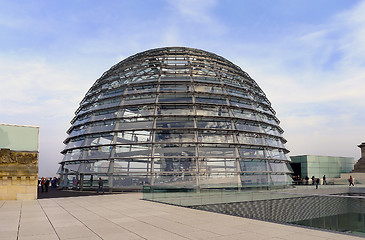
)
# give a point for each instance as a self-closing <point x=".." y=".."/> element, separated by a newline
<point x="18" y="188"/>
<point x="292" y="207"/>
<point x="358" y="177"/>
<point x="18" y="175"/>
<point x="285" y="209"/>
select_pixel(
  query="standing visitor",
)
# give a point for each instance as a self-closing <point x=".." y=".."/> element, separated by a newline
<point x="306" y="180"/>
<point x="313" y="179"/>
<point x="46" y="184"/>
<point x="317" y="183"/>
<point x="101" y="185"/>
<point x="43" y="182"/>
<point x="324" y="180"/>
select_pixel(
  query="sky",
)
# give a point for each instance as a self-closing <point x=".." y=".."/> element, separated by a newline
<point x="308" y="56"/>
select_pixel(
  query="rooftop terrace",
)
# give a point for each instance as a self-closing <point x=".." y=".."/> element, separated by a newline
<point x="127" y="216"/>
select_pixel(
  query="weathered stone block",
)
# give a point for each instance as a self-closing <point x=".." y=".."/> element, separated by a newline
<point x="18" y="175"/>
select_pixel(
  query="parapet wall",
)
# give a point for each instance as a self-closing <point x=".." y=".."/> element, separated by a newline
<point x="18" y="175"/>
<point x="284" y="210"/>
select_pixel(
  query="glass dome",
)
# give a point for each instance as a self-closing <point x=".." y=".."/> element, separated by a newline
<point x="175" y="117"/>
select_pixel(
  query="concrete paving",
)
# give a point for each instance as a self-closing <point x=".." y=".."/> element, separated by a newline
<point x="126" y="216"/>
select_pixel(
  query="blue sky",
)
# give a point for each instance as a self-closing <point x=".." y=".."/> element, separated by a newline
<point x="307" y="56"/>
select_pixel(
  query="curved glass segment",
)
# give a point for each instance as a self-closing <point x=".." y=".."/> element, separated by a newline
<point x="175" y="117"/>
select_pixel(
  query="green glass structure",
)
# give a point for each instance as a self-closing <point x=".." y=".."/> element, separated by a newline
<point x="317" y="166"/>
<point x="19" y="137"/>
<point x="179" y="117"/>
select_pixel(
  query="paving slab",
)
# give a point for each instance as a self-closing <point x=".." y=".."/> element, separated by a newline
<point x="126" y="216"/>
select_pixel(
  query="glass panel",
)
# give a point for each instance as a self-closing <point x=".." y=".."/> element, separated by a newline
<point x="135" y="123"/>
<point x="101" y="126"/>
<point x="216" y="151"/>
<point x="254" y="179"/>
<point x="134" y="180"/>
<point x="72" y="167"/>
<point x="174" y="78"/>
<point x="244" y="113"/>
<point x="78" y="130"/>
<point x="175" y="110"/>
<point x="116" y="92"/>
<point x="144" y="110"/>
<point x="276" y="154"/>
<point x="179" y="179"/>
<point x="250" y="138"/>
<point x="204" y="78"/>
<point x="174" y="136"/>
<point x="76" y="142"/>
<point x="214" y="123"/>
<point x="208" y="88"/>
<point x="141" y="89"/>
<point x="253" y="166"/>
<point x="270" y="129"/>
<point x="98" y="139"/>
<point x="107" y="103"/>
<point x="100" y="166"/>
<point x="278" y="167"/>
<point x="211" y="99"/>
<point x="174" y="123"/>
<point x="72" y="155"/>
<point x="239" y="92"/>
<point x="133" y="150"/>
<point x="172" y="163"/>
<point x="251" y="153"/>
<point x="241" y="103"/>
<point x="140" y="99"/>
<point x="207" y="136"/>
<point x="175" y="87"/>
<point x="178" y="97"/>
<point x="212" y="111"/>
<point x="134" y="136"/>
<point x="168" y="150"/>
<point x="217" y="165"/>
<point x="104" y="115"/>
<point x="247" y="126"/>
<point x="279" y="179"/>
<point x="96" y="152"/>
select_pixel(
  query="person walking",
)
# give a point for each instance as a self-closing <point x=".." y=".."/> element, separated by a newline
<point x="351" y="181"/>
<point x="317" y="183"/>
<point x="101" y="185"/>
<point x="313" y="180"/>
<point x="324" y="180"/>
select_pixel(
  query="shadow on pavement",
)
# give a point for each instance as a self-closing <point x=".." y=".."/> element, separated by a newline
<point x="58" y="193"/>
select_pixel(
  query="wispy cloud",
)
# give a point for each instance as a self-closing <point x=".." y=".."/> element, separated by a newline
<point x="315" y="78"/>
<point x="313" y="73"/>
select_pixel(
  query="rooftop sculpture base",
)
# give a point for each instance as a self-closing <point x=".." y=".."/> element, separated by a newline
<point x="360" y="165"/>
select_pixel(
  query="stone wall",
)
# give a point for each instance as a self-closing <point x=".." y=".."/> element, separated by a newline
<point x="18" y="175"/>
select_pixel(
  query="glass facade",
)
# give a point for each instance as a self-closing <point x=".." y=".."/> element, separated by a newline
<point x="318" y="166"/>
<point x="175" y="117"/>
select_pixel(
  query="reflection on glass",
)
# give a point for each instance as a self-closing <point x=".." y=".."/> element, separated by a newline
<point x="176" y="117"/>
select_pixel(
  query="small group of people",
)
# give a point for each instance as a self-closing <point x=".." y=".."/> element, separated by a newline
<point x="44" y="183"/>
<point x="316" y="181"/>
<point x="298" y="180"/>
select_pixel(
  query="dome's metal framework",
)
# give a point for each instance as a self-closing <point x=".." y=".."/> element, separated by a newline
<point x="177" y="117"/>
